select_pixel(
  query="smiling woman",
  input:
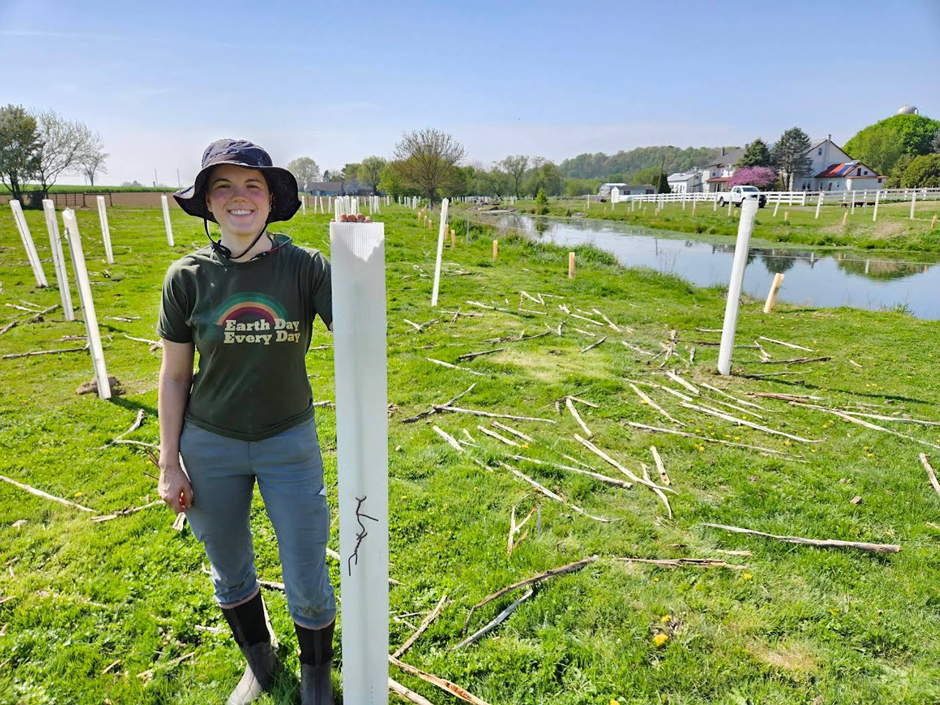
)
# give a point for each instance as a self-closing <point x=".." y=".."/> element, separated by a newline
<point x="247" y="304"/>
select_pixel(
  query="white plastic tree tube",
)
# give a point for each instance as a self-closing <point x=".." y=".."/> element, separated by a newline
<point x="874" y="214"/>
<point x="442" y="231"/>
<point x="303" y="204"/>
<point x="88" y="305"/>
<point x="819" y="204"/>
<point x="105" y="230"/>
<point x="58" y="259"/>
<point x="357" y="251"/>
<point x="28" y="243"/>
<point x="745" y="228"/>
<point x="166" y="220"/>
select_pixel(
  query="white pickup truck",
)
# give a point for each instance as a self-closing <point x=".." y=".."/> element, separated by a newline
<point x="738" y="194"/>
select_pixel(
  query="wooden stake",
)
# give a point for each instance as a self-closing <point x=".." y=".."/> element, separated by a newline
<point x="786" y="216"/>
<point x="495" y="249"/>
<point x="659" y="466"/>
<point x="571" y="265"/>
<point x="845" y="218"/>
<point x="772" y="294"/>
<point x="824" y="543"/>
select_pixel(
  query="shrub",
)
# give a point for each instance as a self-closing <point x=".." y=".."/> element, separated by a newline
<point x="923" y="172"/>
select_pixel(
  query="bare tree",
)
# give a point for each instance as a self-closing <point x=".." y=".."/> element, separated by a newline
<point x="516" y="167"/>
<point x="305" y="170"/>
<point x="94" y="164"/>
<point x="64" y="147"/>
<point x="370" y="172"/>
<point x="428" y="159"/>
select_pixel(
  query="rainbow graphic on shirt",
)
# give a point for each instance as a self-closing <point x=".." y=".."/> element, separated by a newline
<point x="255" y="319"/>
<point x="251" y="305"/>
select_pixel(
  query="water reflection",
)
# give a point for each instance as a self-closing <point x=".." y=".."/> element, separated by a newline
<point x="814" y="278"/>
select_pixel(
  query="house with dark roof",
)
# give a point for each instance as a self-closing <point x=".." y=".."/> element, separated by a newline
<point x="716" y="174"/>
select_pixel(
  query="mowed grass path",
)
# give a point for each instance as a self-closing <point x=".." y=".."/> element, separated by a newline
<point x="95" y="605"/>
<point x="894" y="230"/>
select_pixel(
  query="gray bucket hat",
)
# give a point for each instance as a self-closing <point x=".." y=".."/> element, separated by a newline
<point x="281" y="183"/>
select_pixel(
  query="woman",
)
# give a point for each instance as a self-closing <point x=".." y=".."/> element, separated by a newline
<point x="247" y="304"/>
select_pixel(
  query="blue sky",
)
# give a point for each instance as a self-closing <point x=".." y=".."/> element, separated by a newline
<point x="340" y="81"/>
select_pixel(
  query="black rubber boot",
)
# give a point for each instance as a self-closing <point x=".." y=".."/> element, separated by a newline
<point x="254" y="640"/>
<point x="316" y="661"/>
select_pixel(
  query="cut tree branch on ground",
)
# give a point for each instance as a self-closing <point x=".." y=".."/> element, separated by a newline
<point x="562" y="570"/>
<point x="604" y="456"/>
<point x="509" y="429"/>
<point x="454" y="367"/>
<point x="499" y="619"/>
<point x="659" y="492"/>
<point x="742" y="402"/>
<point x="751" y="424"/>
<point x="930" y="473"/>
<point x="678" y="380"/>
<point x="597" y="476"/>
<point x="822" y="543"/>
<point x="471" y="356"/>
<point x="490" y="415"/>
<point x="499" y="437"/>
<point x="435" y="409"/>
<point x="125" y="512"/>
<point x="45" y="495"/>
<point x="593" y="345"/>
<point x="684" y="562"/>
<point x="548" y="493"/>
<point x="866" y="424"/>
<point x="441" y="683"/>
<point x="657" y="429"/>
<point x="797" y="360"/>
<point x="138" y="421"/>
<point x="147" y="675"/>
<point x="659" y="466"/>
<point x="577" y="417"/>
<point x="515" y="528"/>
<point x="449" y="438"/>
<point x="406" y="694"/>
<point x="780" y="342"/>
<point x="434" y="614"/>
<point x="33" y="353"/>
<point x="654" y="405"/>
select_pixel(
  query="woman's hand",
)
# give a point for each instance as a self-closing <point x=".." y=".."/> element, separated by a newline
<point x="354" y="218"/>
<point x="174" y="487"/>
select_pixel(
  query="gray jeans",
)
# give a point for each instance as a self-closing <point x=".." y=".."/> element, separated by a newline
<point x="289" y="470"/>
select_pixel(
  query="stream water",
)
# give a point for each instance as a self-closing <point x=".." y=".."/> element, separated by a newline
<point x="816" y="278"/>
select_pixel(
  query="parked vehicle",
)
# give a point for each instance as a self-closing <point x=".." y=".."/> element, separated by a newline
<point x="739" y="194"/>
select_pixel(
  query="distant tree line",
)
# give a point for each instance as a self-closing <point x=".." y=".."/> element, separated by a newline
<point x="40" y="147"/>
<point x="624" y="166"/>
<point x="905" y="147"/>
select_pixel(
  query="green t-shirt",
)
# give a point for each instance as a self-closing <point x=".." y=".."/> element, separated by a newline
<point x="251" y="323"/>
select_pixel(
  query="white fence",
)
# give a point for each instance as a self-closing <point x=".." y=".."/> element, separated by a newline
<point x="800" y="198"/>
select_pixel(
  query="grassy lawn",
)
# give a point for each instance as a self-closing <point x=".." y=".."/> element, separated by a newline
<point x="893" y="231"/>
<point x="95" y="605"/>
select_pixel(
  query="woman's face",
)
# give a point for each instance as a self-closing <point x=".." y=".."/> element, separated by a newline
<point x="239" y="199"/>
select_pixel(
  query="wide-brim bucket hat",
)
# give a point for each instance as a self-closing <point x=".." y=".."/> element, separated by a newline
<point x="281" y="183"/>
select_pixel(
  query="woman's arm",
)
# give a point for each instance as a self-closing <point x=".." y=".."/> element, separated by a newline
<point x="176" y="375"/>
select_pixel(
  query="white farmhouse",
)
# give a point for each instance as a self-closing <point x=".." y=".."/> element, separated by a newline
<point x="686" y="181"/>
<point x="831" y="169"/>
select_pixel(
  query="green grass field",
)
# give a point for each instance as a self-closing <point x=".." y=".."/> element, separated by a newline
<point x="86" y="608"/>
<point x="893" y="230"/>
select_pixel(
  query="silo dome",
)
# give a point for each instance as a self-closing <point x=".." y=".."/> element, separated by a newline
<point x="907" y="110"/>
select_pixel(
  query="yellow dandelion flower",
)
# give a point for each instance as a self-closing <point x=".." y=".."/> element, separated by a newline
<point x="747" y="576"/>
<point x="655" y="580"/>
<point x="665" y="618"/>
<point x="660" y="639"/>
<point x="787" y="443"/>
<point x="613" y="702"/>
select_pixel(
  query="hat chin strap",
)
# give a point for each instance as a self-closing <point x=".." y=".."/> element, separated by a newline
<point x="221" y="249"/>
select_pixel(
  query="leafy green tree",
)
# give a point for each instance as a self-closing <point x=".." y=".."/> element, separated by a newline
<point x="392" y="182"/>
<point x="935" y="143"/>
<point x="19" y="148"/>
<point x="915" y="132"/>
<point x="897" y="172"/>
<point x="791" y="155"/>
<point x="606" y="166"/>
<point x="546" y="175"/>
<point x="880" y="148"/>
<point x="757" y="153"/>
<point x="581" y="187"/>
<point x="923" y="172"/>
<point x="648" y="175"/>
<point x="492" y="182"/>
<point x="541" y="202"/>
<point x="516" y="167"/>
<point x="428" y="160"/>
<point x="370" y="172"/>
